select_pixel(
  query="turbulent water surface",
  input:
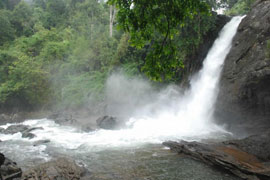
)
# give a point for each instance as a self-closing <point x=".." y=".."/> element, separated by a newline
<point x="136" y="152"/>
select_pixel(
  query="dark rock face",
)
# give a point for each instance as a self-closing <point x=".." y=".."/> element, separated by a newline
<point x="61" y="168"/>
<point x="107" y="122"/>
<point x="247" y="158"/>
<point x="245" y="82"/>
<point x="9" y="169"/>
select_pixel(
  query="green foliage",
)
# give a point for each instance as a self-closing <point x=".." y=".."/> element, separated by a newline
<point x="22" y="19"/>
<point x="24" y="67"/>
<point x="26" y="80"/>
<point x="145" y="20"/>
<point x="7" y="32"/>
<point x="240" y="8"/>
<point x="9" y="4"/>
<point x="82" y="88"/>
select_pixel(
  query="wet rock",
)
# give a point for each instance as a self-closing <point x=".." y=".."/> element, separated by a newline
<point x="244" y="98"/>
<point x="2" y="130"/>
<point x="4" y="119"/>
<point x="54" y="115"/>
<point x="9" y="169"/>
<point x="18" y="117"/>
<point x="2" y="159"/>
<point x="60" y="169"/>
<point x="28" y="135"/>
<point x="33" y="129"/>
<point x="107" y="122"/>
<point x="11" y="118"/>
<point x="63" y="118"/>
<point x="247" y="158"/>
<point x="257" y="145"/>
<point x="41" y="142"/>
<point x="87" y="127"/>
<point x="15" y="129"/>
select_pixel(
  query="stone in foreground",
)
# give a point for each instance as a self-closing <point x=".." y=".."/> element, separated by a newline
<point x="228" y="156"/>
<point x="61" y="168"/>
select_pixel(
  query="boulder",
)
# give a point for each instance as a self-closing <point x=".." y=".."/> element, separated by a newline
<point x="87" y="127"/>
<point x="244" y="97"/>
<point x="9" y="169"/>
<point x="33" y="129"/>
<point x="4" y="119"/>
<point x="15" y="129"/>
<point x="11" y="118"/>
<point x="248" y="158"/>
<point x="107" y="122"/>
<point x="2" y="130"/>
<point x="228" y="158"/>
<point x="63" y="118"/>
<point x="59" y="169"/>
<point x="257" y="145"/>
<point x="28" y="135"/>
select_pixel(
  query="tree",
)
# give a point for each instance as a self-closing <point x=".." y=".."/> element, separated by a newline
<point x="7" y="32"/>
<point x="155" y="24"/>
<point x="22" y="19"/>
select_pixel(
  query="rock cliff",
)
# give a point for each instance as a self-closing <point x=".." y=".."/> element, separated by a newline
<point x="244" y="97"/>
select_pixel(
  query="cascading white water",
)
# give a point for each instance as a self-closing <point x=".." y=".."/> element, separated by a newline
<point x="189" y="118"/>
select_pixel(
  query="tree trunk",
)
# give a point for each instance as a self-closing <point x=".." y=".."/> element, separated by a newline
<point x="112" y="16"/>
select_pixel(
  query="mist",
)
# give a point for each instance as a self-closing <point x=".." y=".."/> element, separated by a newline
<point x="136" y="97"/>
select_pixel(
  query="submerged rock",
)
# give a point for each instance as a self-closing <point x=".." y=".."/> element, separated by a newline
<point x="61" y="168"/>
<point x="9" y="169"/>
<point x="41" y="142"/>
<point x="247" y="158"/>
<point x="33" y="129"/>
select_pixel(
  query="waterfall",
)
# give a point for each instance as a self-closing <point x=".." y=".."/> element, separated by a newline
<point x="193" y="115"/>
<point x="189" y="118"/>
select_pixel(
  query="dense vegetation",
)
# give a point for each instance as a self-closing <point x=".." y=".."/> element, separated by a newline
<point x="58" y="53"/>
